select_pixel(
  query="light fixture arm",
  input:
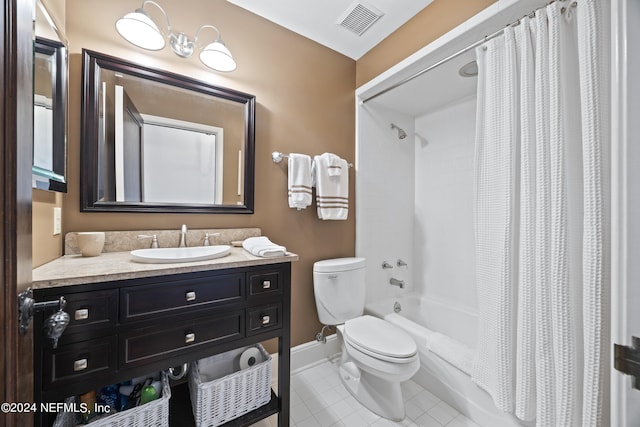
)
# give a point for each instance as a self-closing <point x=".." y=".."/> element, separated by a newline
<point x="195" y="38"/>
<point x="166" y="17"/>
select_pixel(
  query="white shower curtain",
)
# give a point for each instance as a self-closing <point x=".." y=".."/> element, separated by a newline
<point x="540" y="215"/>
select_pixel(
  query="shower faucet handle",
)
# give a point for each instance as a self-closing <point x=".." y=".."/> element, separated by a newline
<point x="386" y="265"/>
<point x="401" y="263"/>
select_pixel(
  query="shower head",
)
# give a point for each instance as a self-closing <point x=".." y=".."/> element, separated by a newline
<point x="401" y="133"/>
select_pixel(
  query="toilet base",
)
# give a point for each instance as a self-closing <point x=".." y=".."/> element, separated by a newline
<point x="381" y="397"/>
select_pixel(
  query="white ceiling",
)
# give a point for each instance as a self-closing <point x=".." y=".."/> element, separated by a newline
<point x="439" y="87"/>
<point x="316" y="20"/>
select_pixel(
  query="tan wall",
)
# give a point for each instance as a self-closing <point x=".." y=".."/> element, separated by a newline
<point x="46" y="246"/>
<point x="432" y="22"/>
<point x="305" y="103"/>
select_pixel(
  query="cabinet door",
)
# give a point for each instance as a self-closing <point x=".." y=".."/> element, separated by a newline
<point x="265" y="283"/>
<point x="89" y="310"/>
<point x="78" y="362"/>
<point x="264" y="318"/>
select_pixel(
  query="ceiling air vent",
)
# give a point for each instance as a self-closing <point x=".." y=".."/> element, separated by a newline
<point x="359" y="17"/>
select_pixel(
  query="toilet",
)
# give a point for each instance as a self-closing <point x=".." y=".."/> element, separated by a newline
<point x="376" y="355"/>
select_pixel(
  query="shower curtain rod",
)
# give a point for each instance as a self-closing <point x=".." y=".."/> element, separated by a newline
<point x="458" y="53"/>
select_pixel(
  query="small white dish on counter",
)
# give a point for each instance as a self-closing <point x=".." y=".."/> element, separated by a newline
<point x="172" y="255"/>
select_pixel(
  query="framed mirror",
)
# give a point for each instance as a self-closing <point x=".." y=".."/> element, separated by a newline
<point x="155" y="141"/>
<point x="49" y="115"/>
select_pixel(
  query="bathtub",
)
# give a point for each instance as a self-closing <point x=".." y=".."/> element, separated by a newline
<point x="422" y="318"/>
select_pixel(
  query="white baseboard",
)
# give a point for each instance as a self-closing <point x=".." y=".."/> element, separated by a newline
<point x="311" y="353"/>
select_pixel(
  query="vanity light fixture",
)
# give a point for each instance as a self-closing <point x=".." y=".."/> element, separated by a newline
<point x="139" y="29"/>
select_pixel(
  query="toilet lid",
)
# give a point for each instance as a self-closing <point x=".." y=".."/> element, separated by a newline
<point x="379" y="337"/>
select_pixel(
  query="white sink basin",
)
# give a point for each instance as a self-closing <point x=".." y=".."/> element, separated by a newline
<point x="171" y="255"/>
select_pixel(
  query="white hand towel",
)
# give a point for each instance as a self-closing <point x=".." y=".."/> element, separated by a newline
<point x="299" y="181"/>
<point x="331" y="178"/>
<point x="263" y="247"/>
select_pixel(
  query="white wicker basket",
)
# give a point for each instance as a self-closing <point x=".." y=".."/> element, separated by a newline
<point x="151" y="414"/>
<point x="234" y="392"/>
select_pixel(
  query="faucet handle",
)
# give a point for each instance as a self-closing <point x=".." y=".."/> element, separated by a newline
<point x="386" y="265"/>
<point x="206" y="238"/>
<point x="154" y="242"/>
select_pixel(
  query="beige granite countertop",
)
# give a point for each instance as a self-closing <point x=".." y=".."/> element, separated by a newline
<point x="77" y="270"/>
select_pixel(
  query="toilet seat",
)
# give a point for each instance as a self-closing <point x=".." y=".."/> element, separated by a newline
<point x="380" y="339"/>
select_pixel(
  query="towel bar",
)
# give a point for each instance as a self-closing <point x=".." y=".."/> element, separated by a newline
<point x="277" y="157"/>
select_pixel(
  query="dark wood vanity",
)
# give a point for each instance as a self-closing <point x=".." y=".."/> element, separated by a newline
<point x="125" y="328"/>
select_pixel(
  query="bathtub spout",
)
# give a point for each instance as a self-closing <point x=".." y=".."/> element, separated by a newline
<point x="395" y="282"/>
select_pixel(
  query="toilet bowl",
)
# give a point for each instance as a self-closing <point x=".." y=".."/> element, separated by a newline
<point x="376" y="358"/>
<point x="376" y="355"/>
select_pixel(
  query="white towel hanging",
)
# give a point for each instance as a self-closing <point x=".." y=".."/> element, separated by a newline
<point x="331" y="178"/>
<point x="299" y="181"/>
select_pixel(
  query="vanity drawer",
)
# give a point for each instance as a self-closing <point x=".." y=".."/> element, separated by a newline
<point x="261" y="319"/>
<point x="151" y="344"/>
<point x="90" y="310"/>
<point x="160" y="300"/>
<point x="266" y="282"/>
<point x="76" y="362"/>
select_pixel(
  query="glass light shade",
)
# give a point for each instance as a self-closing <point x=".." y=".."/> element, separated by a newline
<point x="217" y="57"/>
<point x="137" y="28"/>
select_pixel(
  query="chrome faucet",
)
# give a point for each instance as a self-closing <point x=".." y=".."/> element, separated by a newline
<point x="395" y="282"/>
<point x="183" y="236"/>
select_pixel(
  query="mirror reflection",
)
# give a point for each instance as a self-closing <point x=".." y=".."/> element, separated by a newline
<point x="49" y="107"/>
<point x="158" y="141"/>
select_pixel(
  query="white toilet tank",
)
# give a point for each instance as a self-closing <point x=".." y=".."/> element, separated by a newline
<point x="339" y="289"/>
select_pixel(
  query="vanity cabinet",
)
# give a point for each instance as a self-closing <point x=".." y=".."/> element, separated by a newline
<point x="127" y="328"/>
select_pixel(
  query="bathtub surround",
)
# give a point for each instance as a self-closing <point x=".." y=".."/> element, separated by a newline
<point x="539" y="212"/>
<point x="432" y="183"/>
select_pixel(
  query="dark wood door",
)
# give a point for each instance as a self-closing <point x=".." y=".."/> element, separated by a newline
<point x="16" y="118"/>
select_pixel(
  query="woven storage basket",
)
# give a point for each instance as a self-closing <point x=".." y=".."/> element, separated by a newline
<point x="151" y="414"/>
<point x="233" y="392"/>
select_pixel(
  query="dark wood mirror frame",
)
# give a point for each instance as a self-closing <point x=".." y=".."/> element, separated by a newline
<point x="57" y="176"/>
<point x="92" y="63"/>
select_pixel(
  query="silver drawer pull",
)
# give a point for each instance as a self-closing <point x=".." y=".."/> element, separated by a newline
<point x="191" y="296"/>
<point x="189" y="338"/>
<point x="80" y="365"/>
<point x="265" y="319"/>
<point x="266" y="284"/>
<point x="82" y="314"/>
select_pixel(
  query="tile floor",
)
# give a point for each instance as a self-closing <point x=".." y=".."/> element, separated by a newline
<point x="318" y="399"/>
